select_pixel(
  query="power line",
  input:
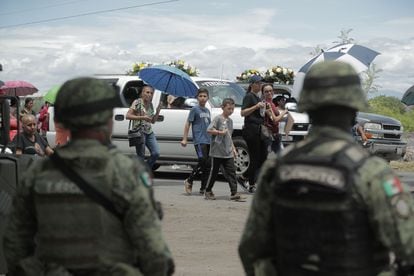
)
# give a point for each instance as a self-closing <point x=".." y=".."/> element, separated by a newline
<point x="86" y="14"/>
<point x="41" y="7"/>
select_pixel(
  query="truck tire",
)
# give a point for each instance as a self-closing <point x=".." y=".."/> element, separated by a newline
<point x="242" y="160"/>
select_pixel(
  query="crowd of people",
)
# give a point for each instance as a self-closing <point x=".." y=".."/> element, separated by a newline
<point x="326" y="206"/>
<point x="92" y="211"/>
<point x="263" y="113"/>
<point x="32" y="128"/>
<point x="323" y="207"/>
<point x="260" y="109"/>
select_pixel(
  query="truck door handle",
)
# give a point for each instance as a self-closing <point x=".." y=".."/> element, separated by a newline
<point x="119" y="117"/>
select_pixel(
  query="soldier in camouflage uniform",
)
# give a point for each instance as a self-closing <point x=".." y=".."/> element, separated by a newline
<point x="325" y="206"/>
<point x="56" y="229"/>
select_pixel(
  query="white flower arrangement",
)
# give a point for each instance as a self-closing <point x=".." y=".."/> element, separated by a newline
<point x="138" y="66"/>
<point x="279" y="74"/>
<point x="245" y="75"/>
<point x="179" y="64"/>
<point x="185" y="67"/>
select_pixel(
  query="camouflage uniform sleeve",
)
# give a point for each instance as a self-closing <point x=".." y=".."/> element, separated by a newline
<point x="22" y="226"/>
<point x="144" y="228"/>
<point x="258" y="232"/>
<point x="390" y="207"/>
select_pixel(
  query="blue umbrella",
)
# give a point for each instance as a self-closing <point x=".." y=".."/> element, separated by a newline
<point x="170" y="80"/>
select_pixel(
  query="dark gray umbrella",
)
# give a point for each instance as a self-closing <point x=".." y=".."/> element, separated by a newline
<point x="358" y="56"/>
<point x="408" y="97"/>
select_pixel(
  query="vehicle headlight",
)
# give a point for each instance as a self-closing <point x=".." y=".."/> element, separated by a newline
<point x="370" y="130"/>
<point x="372" y="126"/>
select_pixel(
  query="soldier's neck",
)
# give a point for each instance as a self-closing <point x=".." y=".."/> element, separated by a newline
<point x="92" y="134"/>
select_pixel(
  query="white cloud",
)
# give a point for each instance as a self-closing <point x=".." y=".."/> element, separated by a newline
<point x="219" y="46"/>
<point x="402" y="21"/>
<point x="210" y="48"/>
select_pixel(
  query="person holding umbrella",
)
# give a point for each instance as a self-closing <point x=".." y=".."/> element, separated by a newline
<point x="142" y="113"/>
<point x="165" y="78"/>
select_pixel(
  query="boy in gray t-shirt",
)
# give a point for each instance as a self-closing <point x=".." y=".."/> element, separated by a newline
<point x="222" y="150"/>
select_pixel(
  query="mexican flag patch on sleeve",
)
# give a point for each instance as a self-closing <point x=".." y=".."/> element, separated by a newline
<point x="146" y="179"/>
<point x="392" y="186"/>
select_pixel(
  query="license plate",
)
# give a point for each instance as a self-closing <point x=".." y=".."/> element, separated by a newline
<point x="287" y="139"/>
<point x="399" y="150"/>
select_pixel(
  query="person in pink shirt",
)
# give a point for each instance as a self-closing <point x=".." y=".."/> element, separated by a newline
<point x="272" y="117"/>
<point x="13" y="127"/>
<point x="44" y="119"/>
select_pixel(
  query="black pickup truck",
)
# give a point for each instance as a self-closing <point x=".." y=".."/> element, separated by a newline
<point x="384" y="135"/>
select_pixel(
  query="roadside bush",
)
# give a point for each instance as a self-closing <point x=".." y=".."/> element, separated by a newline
<point x="393" y="107"/>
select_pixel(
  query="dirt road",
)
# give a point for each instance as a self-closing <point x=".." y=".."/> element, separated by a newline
<point x="203" y="235"/>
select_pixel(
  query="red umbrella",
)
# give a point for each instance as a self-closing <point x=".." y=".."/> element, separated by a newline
<point x="17" y="88"/>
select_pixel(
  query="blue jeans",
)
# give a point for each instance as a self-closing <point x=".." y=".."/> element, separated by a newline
<point x="203" y="166"/>
<point x="152" y="145"/>
<point x="275" y="144"/>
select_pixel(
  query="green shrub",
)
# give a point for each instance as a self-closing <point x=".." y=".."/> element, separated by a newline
<point x="393" y="107"/>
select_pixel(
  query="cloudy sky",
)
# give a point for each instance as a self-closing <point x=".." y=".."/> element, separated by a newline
<point x="220" y="38"/>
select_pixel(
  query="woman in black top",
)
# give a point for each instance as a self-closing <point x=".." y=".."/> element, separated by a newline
<point x="253" y="119"/>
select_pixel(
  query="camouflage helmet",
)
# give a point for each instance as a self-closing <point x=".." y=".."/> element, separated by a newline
<point x="85" y="102"/>
<point x="331" y="83"/>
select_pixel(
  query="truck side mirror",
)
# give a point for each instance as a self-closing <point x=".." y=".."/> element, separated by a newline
<point x="291" y="106"/>
<point x="190" y="102"/>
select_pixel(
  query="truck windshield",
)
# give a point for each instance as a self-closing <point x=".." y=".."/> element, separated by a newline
<point x="219" y="90"/>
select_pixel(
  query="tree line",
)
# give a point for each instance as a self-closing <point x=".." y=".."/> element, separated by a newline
<point x="393" y="107"/>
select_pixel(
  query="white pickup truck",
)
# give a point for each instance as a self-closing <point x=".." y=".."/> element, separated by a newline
<point x="170" y="125"/>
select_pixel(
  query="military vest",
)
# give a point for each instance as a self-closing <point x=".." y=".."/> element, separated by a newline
<point x="8" y="184"/>
<point x="74" y="231"/>
<point x="322" y="227"/>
